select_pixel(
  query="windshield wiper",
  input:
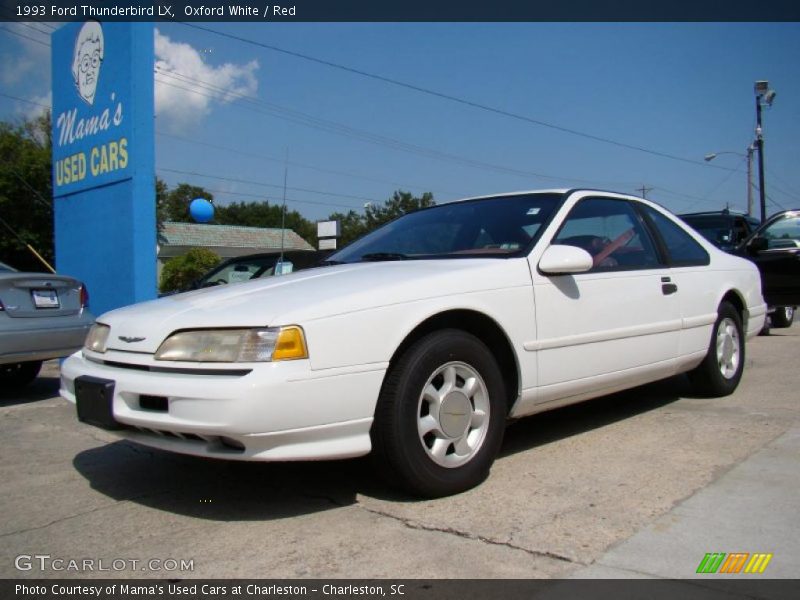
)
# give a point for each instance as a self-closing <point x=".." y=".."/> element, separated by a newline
<point x="376" y="256"/>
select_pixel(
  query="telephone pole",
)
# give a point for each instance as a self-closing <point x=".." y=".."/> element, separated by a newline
<point x="764" y="95"/>
<point x="644" y="191"/>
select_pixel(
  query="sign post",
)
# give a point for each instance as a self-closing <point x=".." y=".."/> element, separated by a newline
<point x="103" y="160"/>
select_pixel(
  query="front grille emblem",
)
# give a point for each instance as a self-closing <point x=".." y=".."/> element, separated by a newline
<point x="130" y="340"/>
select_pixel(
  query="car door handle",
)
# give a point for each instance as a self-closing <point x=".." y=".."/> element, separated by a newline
<point x="668" y="288"/>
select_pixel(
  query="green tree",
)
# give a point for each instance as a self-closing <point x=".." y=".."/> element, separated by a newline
<point x="399" y="204"/>
<point x="26" y="193"/>
<point x="181" y="271"/>
<point x="162" y="191"/>
<point x="353" y="225"/>
<point x="173" y="205"/>
<point x="264" y="214"/>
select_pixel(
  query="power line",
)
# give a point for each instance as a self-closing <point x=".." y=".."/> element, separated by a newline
<point x="682" y="197"/>
<point x="36" y="29"/>
<point x="778" y="204"/>
<point x="306" y="165"/>
<point x="13" y="17"/>
<point x="263" y="184"/>
<point x="792" y="195"/>
<point x="24" y="100"/>
<point x="254" y="102"/>
<point x="36" y="193"/>
<point x="440" y="155"/>
<point x="488" y="166"/>
<point x="18" y="34"/>
<point x="340" y="129"/>
<point x="265" y="199"/>
<point x="719" y="185"/>
<point x="452" y="98"/>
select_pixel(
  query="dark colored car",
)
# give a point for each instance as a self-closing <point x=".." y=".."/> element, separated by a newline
<point x="42" y="316"/>
<point x="725" y="229"/>
<point x="256" y="266"/>
<point x="775" y="248"/>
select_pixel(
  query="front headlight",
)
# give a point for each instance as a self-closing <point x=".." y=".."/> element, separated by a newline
<point x="97" y="337"/>
<point x="235" y="345"/>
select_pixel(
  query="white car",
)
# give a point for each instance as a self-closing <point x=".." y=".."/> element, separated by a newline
<point x="424" y="337"/>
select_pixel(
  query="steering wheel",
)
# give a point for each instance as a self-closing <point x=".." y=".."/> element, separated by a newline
<point x="613" y="246"/>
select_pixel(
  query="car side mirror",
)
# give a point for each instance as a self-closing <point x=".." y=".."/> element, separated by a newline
<point x="757" y="244"/>
<point x="563" y="259"/>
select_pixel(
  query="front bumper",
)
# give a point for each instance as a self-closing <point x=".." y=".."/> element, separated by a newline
<point x="264" y="411"/>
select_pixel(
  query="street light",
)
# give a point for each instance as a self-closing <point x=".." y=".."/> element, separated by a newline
<point x="749" y="156"/>
<point x="764" y="95"/>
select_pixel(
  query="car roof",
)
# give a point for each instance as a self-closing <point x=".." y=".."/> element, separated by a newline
<point x="716" y="213"/>
<point x="556" y="191"/>
<point x="508" y="194"/>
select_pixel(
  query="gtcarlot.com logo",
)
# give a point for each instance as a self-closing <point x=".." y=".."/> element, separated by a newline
<point x="46" y="562"/>
<point x="734" y="563"/>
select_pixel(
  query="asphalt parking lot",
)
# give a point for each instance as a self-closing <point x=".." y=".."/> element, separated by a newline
<point x="652" y="472"/>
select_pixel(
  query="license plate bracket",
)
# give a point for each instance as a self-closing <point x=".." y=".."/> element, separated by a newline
<point x="94" y="398"/>
<point x="45" y="299"/>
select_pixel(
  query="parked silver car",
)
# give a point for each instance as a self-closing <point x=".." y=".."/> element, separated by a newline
<point x="42" y="316"/>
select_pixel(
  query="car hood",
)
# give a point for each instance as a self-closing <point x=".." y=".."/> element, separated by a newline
<point x="307" y="295"/>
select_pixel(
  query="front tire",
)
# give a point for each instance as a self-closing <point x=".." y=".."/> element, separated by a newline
<point x="783" y="317"/>
<point x="721" y="369"/>
<point x="16" y="375"/>
<point x="441" y="415"/>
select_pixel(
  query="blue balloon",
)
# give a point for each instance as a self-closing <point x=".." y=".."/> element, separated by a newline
<point x="201" y="210"/>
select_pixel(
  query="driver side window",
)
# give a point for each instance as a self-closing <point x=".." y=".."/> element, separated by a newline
<point x="609" y="230"/>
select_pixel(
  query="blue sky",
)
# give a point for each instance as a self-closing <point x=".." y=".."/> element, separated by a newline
<point x="679" y="89"/>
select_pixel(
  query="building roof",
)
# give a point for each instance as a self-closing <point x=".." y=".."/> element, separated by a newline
<point x="226" y="240"/>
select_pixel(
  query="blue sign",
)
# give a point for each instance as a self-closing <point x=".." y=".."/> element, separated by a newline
<point x="91" y="106"/>
<point x="103" y="159"/>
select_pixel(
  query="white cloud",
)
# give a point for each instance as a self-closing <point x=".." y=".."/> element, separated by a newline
<point x="186" y="86"/>
<point x="25" y="72"/>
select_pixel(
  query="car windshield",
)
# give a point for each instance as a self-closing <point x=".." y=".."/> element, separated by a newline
<point x="487" y="227"/>
<point x="240" y="270"/>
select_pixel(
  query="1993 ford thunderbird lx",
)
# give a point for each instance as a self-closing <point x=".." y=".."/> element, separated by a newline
<point x="420" y="340"/>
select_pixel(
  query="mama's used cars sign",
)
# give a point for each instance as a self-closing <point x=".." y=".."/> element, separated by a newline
<point x="103" y="159"/>
<point x="91" y="134"/>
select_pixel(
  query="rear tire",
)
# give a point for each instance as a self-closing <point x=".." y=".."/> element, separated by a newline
<point x="783" y="317"/>
<point x="441" y="415"/>
<point x="16" y="375"/>
<point x="721" y="369"/>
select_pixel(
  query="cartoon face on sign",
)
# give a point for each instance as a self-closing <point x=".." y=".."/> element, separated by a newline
<point x="87" y="58"/>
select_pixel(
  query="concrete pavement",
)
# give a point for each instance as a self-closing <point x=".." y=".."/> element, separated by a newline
<point x="753" y="508"/>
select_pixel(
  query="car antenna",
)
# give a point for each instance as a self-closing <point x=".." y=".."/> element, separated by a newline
<point x="283" y="210"/>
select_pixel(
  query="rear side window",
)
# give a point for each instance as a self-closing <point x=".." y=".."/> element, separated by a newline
<point x="682" y="248"/>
